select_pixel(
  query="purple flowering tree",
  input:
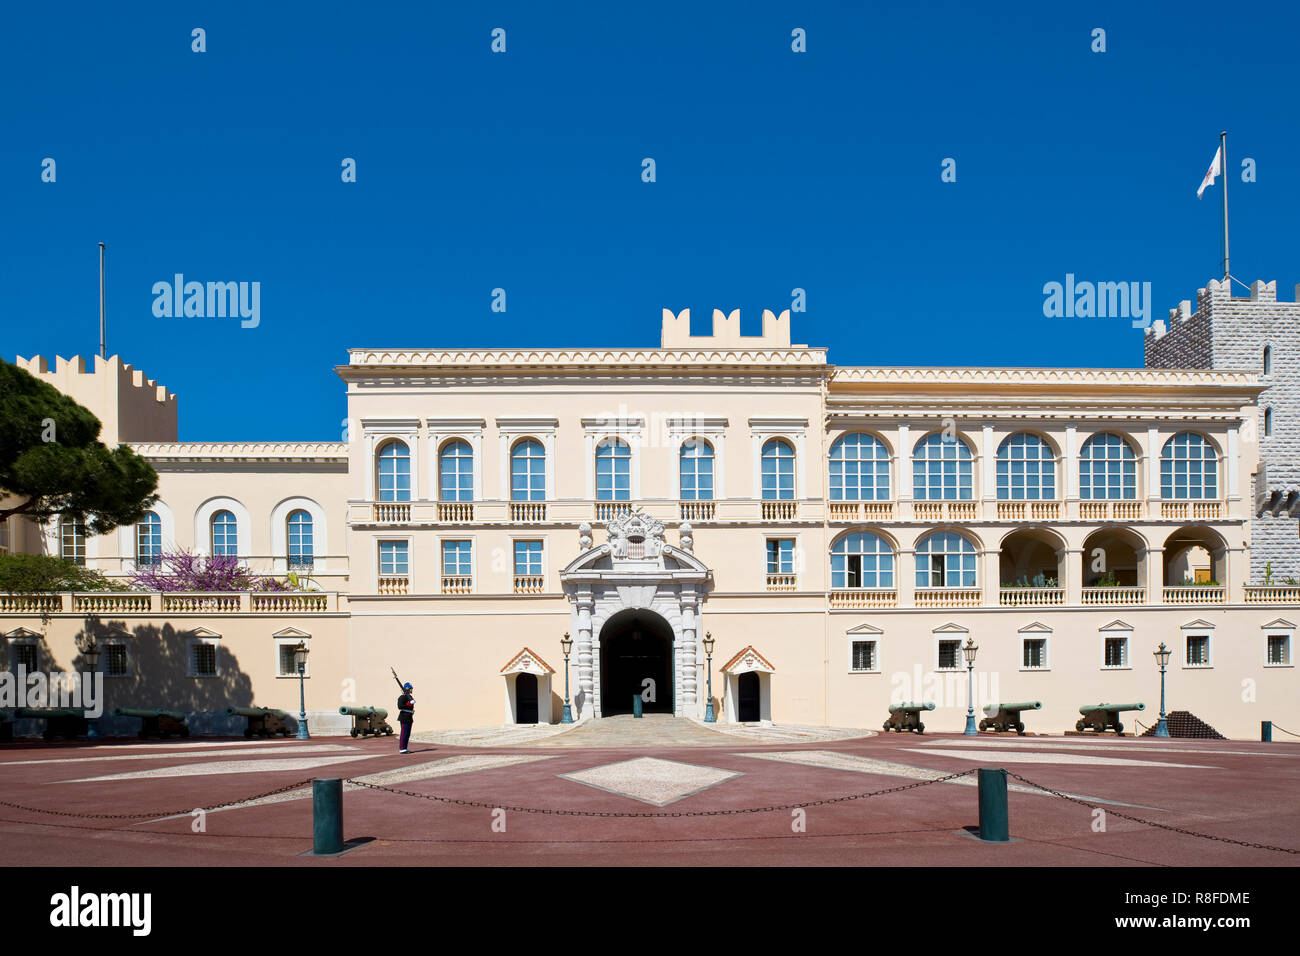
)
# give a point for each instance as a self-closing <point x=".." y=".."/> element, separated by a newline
<point x="182" y="571"/>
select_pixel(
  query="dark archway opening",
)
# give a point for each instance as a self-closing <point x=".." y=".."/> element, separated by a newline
<point x="526" y="698"/>
<point x="748" y="706"/>
<point x="636" y="647"/>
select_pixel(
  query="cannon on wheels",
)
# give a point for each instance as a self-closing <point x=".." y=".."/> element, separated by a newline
<point x="1104" y="717"/>
<point x="907" y="716"/>
<point x="367" y="720"/>
<point x="59" y="721"/>
<point x="262" y="721"/>
<point x="156" y="722"/>
<point x="1000" y="717"/>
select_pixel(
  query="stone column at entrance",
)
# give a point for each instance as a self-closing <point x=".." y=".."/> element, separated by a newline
<point x="586" y="681"/>
<point x="690" y="680"/>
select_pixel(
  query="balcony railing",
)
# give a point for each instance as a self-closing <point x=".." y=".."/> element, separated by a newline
<point x="456" y="512"/>
<point x="1029" y="510"/>
<point x="1192" y="594"/>
<point x="1196" y="510"/>
<point x="530" y="583"/>
<point x="1115" y="596"/>
<point x="607" y="510"/>
<point x="394" y="584"/>
<point x="207" y="603"/>
<point x="1110" y="510"/>
<point x="290" y="602"/>
<point x="457" y="584"/>
<point x="1031" y="597"/>
<point x="861" y="510"/>
<point x="781" y="582"/>
<point x="945" y="510"/>
<point x="392" y="513"/>
<point x="1273" y="594"/>
<point x="697" y="510"/>
<point x="780" y="510"/>
<point x="523" y="512"/>
<point x="864" y="597"/>
<point x="111" y="603"/>
<point x="949" y="597"/>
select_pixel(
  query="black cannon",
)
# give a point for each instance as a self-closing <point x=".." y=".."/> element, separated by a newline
<point x="1104" y="717"/>
<point x="367" y="720"/>
<point x="262" y="721"/>
<point x="59" y="721"/>
<point x="156" y="722"/>
<point x="1002" y="717"/>
<point x="907" y="716"/>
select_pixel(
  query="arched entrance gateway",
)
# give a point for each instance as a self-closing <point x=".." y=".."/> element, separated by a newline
<point x="635" y="617"/>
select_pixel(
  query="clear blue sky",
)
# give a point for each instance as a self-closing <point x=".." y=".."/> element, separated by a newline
<point x="522" y="171"/>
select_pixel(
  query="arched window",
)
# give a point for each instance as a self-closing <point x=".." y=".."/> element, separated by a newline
<point x="941" y="469"/>
<point x="1026" y="469"/>
<point x="394" y="472"/>
<point x="1189" y="468"/>
<point x="613" y="471"/>
<point x="456" y="472"/>
<point x="528" y="471"/>
<point x="301" y="551"/>
<point x="225" y="534"/>
<point x="778" y="470"/>
<point x="945" y="559"/>
<point x="859" y="468"/>
<point x="1268" y="422"/>
<point x="72" y="541"/>
<point x="1268" y="359"/>
<point x="696" y="465"/>
<point x="862" y="560"/>
<point x="1107" y="469"/>
<point x="148" y="540"/>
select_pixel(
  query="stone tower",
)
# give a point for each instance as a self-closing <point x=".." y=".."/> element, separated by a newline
<point x="1262" y="335"/>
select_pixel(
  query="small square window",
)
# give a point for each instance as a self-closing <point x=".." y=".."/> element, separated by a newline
<point x="1198" y="650"/>
<point x="1279" y="649"/>
<point x="864" y="655"/>
<point x="1035" y="653"/>
<point x="1117" y="652"/>
<point x="949" y="655"/>
<point x="780" y="555"/>
<point x="203" y="659"/>
<point x="25" y="656"/>
<point x="115" y="660"/>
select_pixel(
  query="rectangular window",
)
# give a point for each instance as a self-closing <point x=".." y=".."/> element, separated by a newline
<point x="864" y="655"/>
<point x="949" y="655"/>
<point x="73" y="543"/>
<point x="393" y="559"/>
<point x="1198" y="650"/>
<point x="115" y="660"/>
<point x="457" y="559"/>
<point x="4" y="535"/>
<point x="287" y="667"/>
<point x="1035" y="652"/>
<point x="203" y="659"/>
<point x="1117" y="652"/>
<point x="25" y="656"/>
<point x="1279" y="649"/>
<point x="528" y="557"/>
<point x="780" y="555"/>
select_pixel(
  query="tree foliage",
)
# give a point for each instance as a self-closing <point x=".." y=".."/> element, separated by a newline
<point x="39" y="573"/>
<point x="53" y="463"/>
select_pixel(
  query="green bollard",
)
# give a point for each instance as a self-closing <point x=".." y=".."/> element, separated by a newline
<point x="993" y="805"/>
<point x="327" y="816"/>
<point x="1266" y="731"/>
<point x="636" y="705"/>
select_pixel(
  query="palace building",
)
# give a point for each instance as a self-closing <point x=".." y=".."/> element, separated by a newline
<point x="836" y="533"/>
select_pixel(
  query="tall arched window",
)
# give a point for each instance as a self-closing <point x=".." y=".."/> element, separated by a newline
<point x="528" y="471"/>
<point x="941" y="469"/>
<point x="225" y="534"/>
<point x="1026" y="469"/>
<point x="945" y="559"/>
<point x="613" y="471"/>
<point x="1107" y="469"/>
<point x="1268" y="359"/>
<point x="696" y="466"/>
<point x="862" y="560"/>
<point x="859" y="466"/>
<point x="777" y="470"/>
<point x="1189" y="468"/>
<point x="394" y="472"/>
<point x="456" y="472"/>
<point x="148" y="540"/>
<point x="301" y="550"/>
<point x="72" y="541"/>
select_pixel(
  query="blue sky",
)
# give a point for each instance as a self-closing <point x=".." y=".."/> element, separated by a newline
<point x="522" y="170"/>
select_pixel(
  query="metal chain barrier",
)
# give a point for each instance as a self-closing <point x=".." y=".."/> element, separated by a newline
<point x="1152" y="823"/>
<point x="677" y="813"/>
<point x="155" y="813"/>
<point x="1284" y="730"/>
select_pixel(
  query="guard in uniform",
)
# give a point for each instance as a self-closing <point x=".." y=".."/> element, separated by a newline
<point x="405" y="715"/>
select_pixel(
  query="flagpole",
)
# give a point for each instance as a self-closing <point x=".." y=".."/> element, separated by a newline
<point x="1223" y="152"/>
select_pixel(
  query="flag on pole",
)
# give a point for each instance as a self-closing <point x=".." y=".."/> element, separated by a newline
<point x="1216" y="167"/>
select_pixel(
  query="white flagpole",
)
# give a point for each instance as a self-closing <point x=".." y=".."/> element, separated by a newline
<point x="103" y="338"/>
<point x="1223" y="154"/>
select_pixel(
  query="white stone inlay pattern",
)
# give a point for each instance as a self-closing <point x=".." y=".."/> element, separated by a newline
<point x="1038" y="756"/>
<point x="264" y="765"/>
<point x="651" y="780"/>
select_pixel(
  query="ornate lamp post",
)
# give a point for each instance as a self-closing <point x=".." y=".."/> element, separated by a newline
<point x="566" y="644"/>
<point x="90" y="651"/>
<point x="300" y="661"/>
<point x="1162" y="658"/>
<point x="709" y="716"/>
<point x="969" y="650"/>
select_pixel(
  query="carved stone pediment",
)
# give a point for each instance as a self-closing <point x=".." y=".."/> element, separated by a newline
<point x="636" y="537"/>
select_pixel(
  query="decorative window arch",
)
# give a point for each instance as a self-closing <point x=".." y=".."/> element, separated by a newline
<point x="1189" y="468"/>
<point x="527" y="470"/>
<point x="148" y="540"/>
<point x="1107" y="469"/>
<point x="393" y="466"/>
<point x="945" y="559"/>
<point x="1026" y="469"/>
<point x="859" y="468"/>
<point x="301" y="541"/>
<point x="777" y="470"/>
<point x="695" y="470"/>
<point x="224" y="534"/>
<point x="613" y="470"/>
<point x="942" y="469"/>
<point x="456" y="471"/>
<point x="861" y="559"/>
